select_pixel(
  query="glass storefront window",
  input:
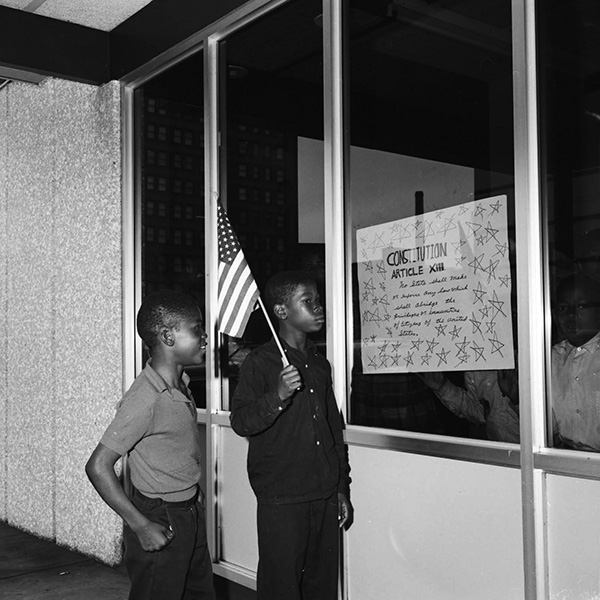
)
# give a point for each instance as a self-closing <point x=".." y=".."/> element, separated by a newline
<point x="430" y="217"/>
<point x="272" y="134"/>
<point x="172" y="239"/>
<point x="569" y="97"/>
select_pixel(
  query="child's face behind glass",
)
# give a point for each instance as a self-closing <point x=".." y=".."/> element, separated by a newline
<point x="578" y="315"/>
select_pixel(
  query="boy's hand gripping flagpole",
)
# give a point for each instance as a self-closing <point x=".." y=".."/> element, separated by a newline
<point x="237" y="291"/>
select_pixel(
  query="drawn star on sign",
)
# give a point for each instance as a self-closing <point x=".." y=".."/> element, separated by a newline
<point x="485" y="311"/>
<point x="501" y="249"/>
<point x="495" y="208"/>
<point x="449" y="225"/>
<point x="405" y="232"/>
<point x="474" y="227"/>
<point x="462" y="358"/>
<point x="458" y="245"/>
<point x="476" y="325"/>
<point x="497" y="304"/>
<point x="478" y="351"/>
<point x="374" y="316"/>
<point x="431" y="344"/>
<point x="455" y="332"/>
<point x="443" y="356"/>
<point x="479" y="211"/>
<point x="480" y="240"/>
<point x="476" y="265"/>
<point x="416" y="344"/>
<point x="427" y="231"/>
<point x="504" y="280"/>
<point x="491" y="270"/>
<point x="441" y="329"/>
<point x="369" y="287"/>
<point x="377" y="242"/>
<point x="492" y="232"/>
<point x="497" y="345"/>
<point x="462" y="346"/>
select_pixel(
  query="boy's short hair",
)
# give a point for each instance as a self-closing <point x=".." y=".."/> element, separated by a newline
<point x="280" y="288"/>
<point x="581" y="283"/>
<point x="164" y="308"/>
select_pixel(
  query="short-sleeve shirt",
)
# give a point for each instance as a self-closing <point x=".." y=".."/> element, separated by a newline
<point x="576" y="393"/>
<point x="156" y="426"/>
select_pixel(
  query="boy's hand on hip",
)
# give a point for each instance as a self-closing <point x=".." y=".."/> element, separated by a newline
<point x="155" y="536"/>
<point x="345" y="511"/>
<point x="290" y="381"/>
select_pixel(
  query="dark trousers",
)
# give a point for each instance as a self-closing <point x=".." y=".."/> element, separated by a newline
<point x="182" y="570"/>
<point x="298" y="550"/>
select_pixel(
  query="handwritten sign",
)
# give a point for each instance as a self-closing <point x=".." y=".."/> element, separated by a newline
<point x="434" y="291"/>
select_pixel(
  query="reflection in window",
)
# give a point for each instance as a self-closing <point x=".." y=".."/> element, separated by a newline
<point x="431" y="220"/>
<point x="569" y="70"/>
<point x="273" y="98"/>
<point x="171" y="258"/>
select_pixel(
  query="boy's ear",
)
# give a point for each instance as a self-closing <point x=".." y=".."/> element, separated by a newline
<point x="166" y="336"/>
<point x="280" y="311"/>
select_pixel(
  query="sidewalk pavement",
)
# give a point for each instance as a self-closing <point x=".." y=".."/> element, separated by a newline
<point x="36" y="569"/>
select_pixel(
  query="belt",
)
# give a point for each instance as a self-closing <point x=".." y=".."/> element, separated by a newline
<point x="160" y="502"/>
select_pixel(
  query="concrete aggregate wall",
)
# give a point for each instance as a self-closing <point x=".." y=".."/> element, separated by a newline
<point x="60" y="306"/>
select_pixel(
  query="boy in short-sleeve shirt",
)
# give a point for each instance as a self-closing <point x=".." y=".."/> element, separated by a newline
<point x="166" y="551"/>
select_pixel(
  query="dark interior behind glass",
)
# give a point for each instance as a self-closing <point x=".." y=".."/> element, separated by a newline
<point x="429" y="83"/>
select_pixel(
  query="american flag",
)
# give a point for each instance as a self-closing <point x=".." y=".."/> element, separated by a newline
<point x="238" y="292"/>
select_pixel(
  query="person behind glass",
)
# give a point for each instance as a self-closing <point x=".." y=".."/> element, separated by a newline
<point x="297" y="464"/>
<point x="166" y="551"/>
<point x="576" y="364"/>
<point x="488" y="398"/>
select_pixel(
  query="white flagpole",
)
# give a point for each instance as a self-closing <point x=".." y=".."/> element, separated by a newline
<point x="286" y="362"/>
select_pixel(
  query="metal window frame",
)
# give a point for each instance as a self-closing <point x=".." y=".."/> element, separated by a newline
<point x="532" y="457"/>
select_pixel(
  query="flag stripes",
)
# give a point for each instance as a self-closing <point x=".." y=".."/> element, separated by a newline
<point x="237" y="290"/>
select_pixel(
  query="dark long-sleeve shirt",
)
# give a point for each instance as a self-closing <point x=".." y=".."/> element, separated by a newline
<point x="296" y="448"/>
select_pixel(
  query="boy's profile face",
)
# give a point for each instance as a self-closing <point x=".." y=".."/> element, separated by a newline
<point x="578" y="314"/>
<point x="303" y="311"/>
<point x="189" y="339"/>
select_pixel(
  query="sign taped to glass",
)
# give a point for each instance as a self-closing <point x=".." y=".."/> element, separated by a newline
<point x="435" y="291"/>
